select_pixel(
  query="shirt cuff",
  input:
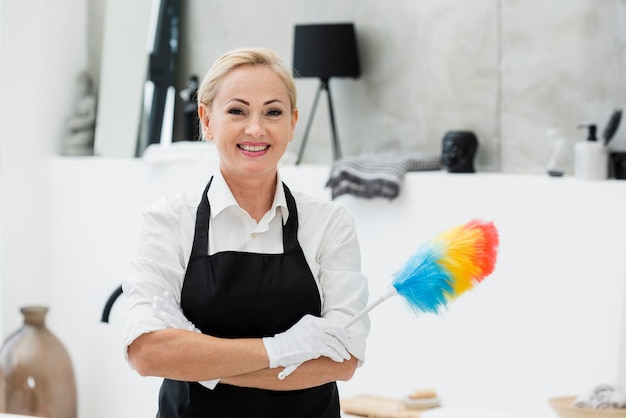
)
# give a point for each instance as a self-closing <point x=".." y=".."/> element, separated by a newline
<point x="209" y="384"/>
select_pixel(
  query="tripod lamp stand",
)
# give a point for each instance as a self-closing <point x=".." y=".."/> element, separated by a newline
<point x="324" y="51"/>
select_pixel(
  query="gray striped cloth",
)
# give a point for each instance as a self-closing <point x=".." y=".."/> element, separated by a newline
<point x="377" y="175"/>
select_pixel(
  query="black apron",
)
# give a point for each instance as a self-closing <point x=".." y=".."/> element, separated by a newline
<point x="235" y="294"/>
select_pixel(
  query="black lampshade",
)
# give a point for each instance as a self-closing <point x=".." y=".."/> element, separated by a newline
<point x="325" y="50"/>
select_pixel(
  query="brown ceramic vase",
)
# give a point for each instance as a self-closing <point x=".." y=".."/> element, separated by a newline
<point x="37" y="373"/>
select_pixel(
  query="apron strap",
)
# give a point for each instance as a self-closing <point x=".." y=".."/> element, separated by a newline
<point x="201" y="235"/>
<point x="290" y="230"/>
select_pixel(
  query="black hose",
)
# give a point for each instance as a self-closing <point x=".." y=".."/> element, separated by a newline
<point x="107" y="308"/>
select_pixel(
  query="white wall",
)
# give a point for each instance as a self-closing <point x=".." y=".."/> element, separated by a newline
<point x="1" y="135"/>
<point x="43" y="49"/>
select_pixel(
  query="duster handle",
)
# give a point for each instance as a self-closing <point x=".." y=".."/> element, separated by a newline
<point x="389" y="292"/>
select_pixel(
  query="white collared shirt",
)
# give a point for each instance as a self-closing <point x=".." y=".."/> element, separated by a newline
<point x="326" y="234"/>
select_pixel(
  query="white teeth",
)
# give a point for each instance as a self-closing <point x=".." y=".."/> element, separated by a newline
<point x="251" y="148"/>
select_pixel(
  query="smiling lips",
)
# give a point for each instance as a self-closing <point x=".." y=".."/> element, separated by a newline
<point x="253" y="148"/>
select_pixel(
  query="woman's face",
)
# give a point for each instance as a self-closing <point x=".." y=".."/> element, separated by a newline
<point x="250" y="121"/>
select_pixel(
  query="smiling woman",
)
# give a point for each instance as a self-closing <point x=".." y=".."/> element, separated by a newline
<point x="226" y="293"/>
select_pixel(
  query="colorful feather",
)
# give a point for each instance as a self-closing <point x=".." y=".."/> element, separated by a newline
<point x="450" y="264"/>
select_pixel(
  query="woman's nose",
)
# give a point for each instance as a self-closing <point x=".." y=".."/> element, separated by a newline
<point x="255" y="127"/>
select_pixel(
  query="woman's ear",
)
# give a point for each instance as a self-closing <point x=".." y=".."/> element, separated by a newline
<point x="294" y="120"/>
<point x="205" y="122"/>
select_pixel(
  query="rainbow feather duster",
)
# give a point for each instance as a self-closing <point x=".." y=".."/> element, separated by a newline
<point x="450" y="264"/>
<point x="441" y="270"/>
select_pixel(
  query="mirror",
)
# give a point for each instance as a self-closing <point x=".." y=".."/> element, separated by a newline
<point x="137" y="94"/>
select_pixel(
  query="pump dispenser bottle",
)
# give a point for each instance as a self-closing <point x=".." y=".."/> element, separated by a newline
<point x="591" y="160"/>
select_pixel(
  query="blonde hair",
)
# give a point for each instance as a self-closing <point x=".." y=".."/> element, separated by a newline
<point x="238" y="58"/>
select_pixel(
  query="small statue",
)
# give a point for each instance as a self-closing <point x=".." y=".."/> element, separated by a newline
<point x="81" y="126"/>
<point x="459" y="150"/>
<point x="191" y="123"/>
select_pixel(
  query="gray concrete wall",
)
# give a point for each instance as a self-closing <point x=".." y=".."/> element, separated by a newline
<point x="508" y="70"/>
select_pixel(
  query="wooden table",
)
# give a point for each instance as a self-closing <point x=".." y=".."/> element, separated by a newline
<point x="372" y="406"/>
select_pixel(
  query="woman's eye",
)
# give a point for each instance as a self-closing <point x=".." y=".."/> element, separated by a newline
<point x="235" y="111"/>
<point x="274" y="112"/>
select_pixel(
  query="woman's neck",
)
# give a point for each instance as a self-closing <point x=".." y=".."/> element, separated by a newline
<point x="255" y="196"/>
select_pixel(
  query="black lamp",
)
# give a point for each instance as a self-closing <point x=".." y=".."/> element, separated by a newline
<point x="325" y="51"/>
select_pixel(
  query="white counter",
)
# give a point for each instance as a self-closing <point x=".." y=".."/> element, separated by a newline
<point x="548" y="322"/>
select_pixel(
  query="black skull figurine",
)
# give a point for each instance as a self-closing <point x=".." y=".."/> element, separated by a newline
<point x="459" y="150"/>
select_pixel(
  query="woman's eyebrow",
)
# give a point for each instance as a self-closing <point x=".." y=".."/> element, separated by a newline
<point x="272" y="101"/>
<point x="235" y="99"/>
<point x="239" y="100"/>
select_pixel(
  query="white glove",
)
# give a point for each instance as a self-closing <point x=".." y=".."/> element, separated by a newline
<point x="167" y="310"/>
<point x="310" y="338"/>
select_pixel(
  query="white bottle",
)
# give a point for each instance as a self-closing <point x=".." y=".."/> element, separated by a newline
<point x="591" y="161"/>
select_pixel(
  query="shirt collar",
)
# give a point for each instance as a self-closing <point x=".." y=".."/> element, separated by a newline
<point x="280" y="201"/>
<point x="222" y="198"/>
